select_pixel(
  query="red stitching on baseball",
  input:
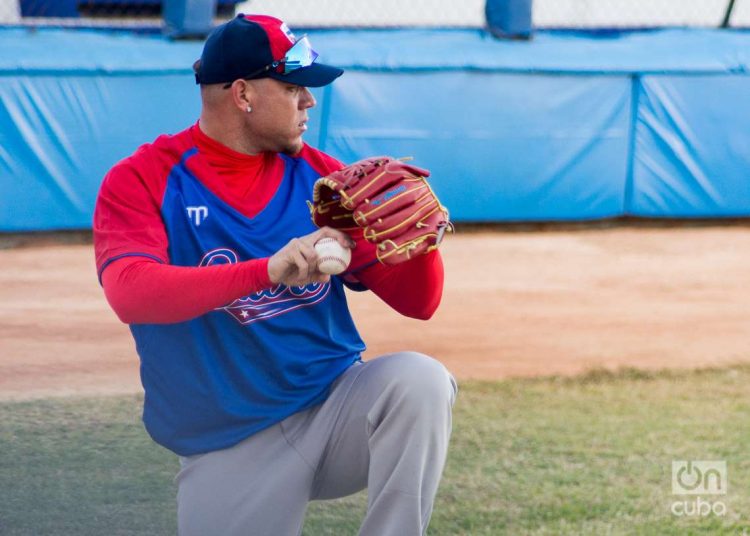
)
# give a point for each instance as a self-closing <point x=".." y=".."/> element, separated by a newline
<point x="339" y="259"/>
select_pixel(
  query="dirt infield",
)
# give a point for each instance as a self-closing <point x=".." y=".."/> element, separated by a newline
<point x="515" y="304"/>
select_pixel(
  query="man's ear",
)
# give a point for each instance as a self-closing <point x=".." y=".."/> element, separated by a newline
<point x="243" y="94"/>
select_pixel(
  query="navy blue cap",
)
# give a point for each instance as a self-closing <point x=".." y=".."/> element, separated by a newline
<point x="249" y="43"/>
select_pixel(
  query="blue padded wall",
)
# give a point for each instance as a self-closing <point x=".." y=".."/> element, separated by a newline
<point x="568" y="126"/>
<point x="501" y="146"/>
<point x="60" y="135"/>
<point x="693" y="146"/>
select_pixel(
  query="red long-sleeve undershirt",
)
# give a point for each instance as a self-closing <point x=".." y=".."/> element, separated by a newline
<point x="143" y="291"/>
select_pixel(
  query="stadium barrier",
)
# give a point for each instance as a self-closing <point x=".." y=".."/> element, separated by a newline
<point x="568" y="126"/>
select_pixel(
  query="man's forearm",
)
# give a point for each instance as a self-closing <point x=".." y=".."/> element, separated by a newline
<point x="142" y="291"/>
<point x="413" y="288"/>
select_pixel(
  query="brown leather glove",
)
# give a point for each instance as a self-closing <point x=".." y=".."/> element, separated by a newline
<point x="390" y="200"/>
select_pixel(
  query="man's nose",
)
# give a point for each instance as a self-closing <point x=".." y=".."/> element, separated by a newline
<point x="307" y="100"/>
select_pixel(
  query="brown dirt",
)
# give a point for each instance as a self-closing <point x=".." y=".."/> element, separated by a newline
<point x="518" y="303"/>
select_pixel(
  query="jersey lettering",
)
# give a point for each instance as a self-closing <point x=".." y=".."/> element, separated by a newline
<point x="267" y="303"/>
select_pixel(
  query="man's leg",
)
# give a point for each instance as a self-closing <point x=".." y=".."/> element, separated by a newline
<point x="260" y="486"/>
<point x="385" y="426"/>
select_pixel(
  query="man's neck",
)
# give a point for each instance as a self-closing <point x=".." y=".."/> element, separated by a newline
<point x="227" y="134"/>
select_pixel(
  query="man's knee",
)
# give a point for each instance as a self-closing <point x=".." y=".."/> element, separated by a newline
<point x="422" y="380"/>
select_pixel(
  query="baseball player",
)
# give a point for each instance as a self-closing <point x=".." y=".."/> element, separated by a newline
<point x="250" y="360"/>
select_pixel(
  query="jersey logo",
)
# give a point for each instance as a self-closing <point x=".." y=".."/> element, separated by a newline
<point x="287" y="32"/>
<point x="267" y="303"/>
<point x="197" y="214"/>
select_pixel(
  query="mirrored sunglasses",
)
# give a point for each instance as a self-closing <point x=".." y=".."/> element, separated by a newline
<point x="300" y="55"/>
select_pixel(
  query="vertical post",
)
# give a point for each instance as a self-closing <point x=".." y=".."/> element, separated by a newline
<point x="728" y="14"/>
<point x="188" y="18"/>
<point x="510" y="19"/>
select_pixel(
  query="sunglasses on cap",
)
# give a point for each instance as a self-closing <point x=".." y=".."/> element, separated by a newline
<point x="300" y="55"/>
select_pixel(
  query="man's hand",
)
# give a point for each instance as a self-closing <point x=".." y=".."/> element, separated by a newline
<point x="296" y="264"/>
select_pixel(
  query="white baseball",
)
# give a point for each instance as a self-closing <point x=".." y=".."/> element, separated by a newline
<point x="333" y="258"/>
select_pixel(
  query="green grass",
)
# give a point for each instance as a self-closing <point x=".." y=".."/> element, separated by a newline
<point x="587" y="455"/>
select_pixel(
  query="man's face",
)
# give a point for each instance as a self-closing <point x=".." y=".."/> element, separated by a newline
<point x="279" y="116"/>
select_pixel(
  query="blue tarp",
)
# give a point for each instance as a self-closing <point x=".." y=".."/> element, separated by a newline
<point x="502" y="146"/>
<point x="568" y="126"/>
<point x="693" y="153"/>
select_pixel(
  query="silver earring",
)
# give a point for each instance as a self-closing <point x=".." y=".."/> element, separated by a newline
<point x="249" y="108"/>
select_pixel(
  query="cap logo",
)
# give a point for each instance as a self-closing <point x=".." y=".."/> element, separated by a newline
<point x="287" y="32"/>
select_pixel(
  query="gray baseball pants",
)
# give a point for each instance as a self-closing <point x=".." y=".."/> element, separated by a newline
<point x="384" y="427"/>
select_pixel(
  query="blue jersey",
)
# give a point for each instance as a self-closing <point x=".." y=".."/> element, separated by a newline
<point x="213" y="381"/>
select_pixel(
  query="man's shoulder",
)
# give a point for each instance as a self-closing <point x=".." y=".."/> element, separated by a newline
<point x="167" y="149"/>
<point x="150" y="164"/>
<point x="324" y="164"/>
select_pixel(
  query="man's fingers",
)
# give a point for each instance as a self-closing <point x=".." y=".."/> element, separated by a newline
<point x="309" y="253"/>
<point x="322" y="278"/>
<point x="295" y="261"/>
<point x="301" y="263"/>
<point x="311" y="258"/>
<point x="296" y="264"/>
<point x="328" y="232"/>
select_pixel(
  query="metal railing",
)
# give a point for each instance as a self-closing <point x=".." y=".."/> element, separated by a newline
<point x="436" y="13"/>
